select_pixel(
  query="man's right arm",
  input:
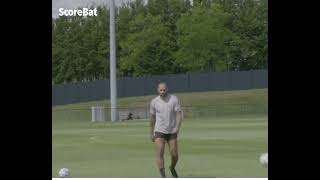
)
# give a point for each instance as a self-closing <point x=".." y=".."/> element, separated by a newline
<point x="152" y="123"/>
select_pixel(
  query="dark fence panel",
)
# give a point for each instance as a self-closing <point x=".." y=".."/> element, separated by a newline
<point x="140" y="86"/>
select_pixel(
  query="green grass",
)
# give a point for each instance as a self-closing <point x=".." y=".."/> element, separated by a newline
<point x="212" y="98"/>
<point x="200" y="104"/>
<point x="223" y="140"/>
<point x="210" y="148"/>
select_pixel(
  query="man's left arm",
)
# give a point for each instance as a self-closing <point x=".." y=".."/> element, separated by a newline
<point x="178" y="120"/>
<point x="178" y="111"/>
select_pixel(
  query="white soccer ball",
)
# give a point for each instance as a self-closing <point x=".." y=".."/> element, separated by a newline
<point x="64" y="172"/>
<point x="264" y="159"/>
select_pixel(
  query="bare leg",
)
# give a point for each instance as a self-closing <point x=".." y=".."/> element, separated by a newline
<point x="173" y="146"/>
<point x="160" y="145"/>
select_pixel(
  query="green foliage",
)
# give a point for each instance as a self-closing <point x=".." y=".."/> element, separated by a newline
<point x="148" y="50"/>
<point x="203" y="39"/>
<point x="249" y="49"/>
<point x="161" y="37"/>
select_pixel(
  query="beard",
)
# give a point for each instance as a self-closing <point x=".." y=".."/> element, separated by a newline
<point x="163" y="95"/>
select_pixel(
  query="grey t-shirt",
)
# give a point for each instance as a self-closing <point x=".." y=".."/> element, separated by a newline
<point x="165" y="111"/>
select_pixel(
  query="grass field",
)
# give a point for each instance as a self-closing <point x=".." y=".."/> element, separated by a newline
<point x="212" y="144"/>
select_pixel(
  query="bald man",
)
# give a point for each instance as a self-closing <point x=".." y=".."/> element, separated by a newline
<point x="166" y="118"/>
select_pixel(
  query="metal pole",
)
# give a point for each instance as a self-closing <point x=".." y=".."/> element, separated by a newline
<point x="113" y="77"/>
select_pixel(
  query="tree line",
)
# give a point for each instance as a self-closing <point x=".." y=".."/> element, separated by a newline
<point x="162" y="37"/>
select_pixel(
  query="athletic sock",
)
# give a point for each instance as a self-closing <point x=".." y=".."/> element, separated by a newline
<point x="173" y="172"/>
<point x="163" y="173"/>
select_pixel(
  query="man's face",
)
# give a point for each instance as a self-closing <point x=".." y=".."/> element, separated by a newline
<point x="162" y="89"/>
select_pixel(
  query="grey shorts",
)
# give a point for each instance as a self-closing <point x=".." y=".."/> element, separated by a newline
<point x="166" y="137"/>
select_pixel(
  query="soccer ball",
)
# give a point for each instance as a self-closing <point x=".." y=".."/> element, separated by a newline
<point x="264" y="159"/>
<point x="64" y="172"/>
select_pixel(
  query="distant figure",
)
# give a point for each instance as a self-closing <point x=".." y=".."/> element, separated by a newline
<point x="129" y="116"/>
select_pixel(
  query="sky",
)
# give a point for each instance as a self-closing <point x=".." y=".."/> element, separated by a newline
<point x="74" y="4"/>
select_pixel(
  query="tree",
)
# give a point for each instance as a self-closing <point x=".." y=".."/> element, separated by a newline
<point x="80" y="47"/>
<point x="249" y="48"/>
<point x="162" y="37"/>
<point x="203" y="39"/>
<point x="147" y="50"/>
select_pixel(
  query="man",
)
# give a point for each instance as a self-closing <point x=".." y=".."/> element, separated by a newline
<point x="166" y="118"/>
<point x="129" y="116"/>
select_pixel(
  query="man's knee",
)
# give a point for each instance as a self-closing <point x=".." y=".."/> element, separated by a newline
<point x="175" y="155"/>
<point x="160" y="157"/>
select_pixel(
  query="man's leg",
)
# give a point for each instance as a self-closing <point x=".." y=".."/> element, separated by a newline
<point x="173" y="146"/>
<point x="160" y="145"/>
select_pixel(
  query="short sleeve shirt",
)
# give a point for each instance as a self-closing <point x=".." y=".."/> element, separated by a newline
<point x="165" y="111"/>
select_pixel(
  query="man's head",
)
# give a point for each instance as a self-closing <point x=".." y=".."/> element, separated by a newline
<point x="162" y="89"/>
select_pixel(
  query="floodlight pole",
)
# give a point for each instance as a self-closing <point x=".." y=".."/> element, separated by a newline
<point x="113" y="74"/>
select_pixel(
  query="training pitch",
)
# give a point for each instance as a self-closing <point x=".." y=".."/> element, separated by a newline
<point x="209" y="146"/>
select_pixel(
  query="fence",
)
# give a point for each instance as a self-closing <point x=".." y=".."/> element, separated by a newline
<point x="130" y="86"/>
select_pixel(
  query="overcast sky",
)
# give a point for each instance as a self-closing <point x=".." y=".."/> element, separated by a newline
<point x="74" y="4"/>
